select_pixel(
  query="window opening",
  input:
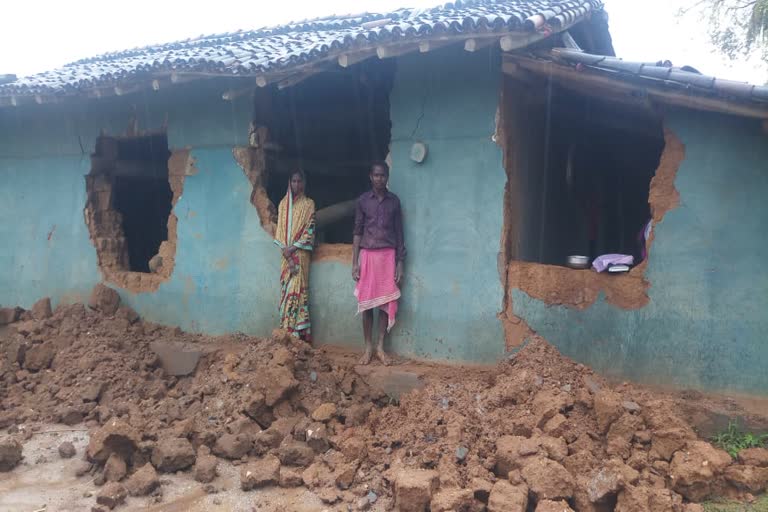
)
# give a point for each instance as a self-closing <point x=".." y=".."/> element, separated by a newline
<point x="131" y="200"/>
<point x="585" y="178"/>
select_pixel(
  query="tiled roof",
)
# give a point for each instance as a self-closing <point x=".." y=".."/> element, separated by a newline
<point x="663" y="73"/>
<point x="249" y="53"/>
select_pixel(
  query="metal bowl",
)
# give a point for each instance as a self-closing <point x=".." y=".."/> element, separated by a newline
<point x="579" y="262"/>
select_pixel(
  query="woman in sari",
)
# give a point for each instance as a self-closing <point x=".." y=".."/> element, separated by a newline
<point x="295" y="236"/>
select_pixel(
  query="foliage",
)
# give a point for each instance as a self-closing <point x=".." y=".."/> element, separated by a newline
<point x="733" y="440"/>
<point x="737" y="27"/>
<point x="760" y="505"/>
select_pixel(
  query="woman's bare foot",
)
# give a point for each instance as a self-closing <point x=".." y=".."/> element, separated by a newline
<point x="383" y="357"/>
<point x="366" y="359"/>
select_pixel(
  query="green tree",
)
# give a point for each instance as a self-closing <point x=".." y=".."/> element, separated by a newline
<point x="736" y="27"/>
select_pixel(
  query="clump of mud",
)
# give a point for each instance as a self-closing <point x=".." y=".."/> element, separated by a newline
<point x="539" y="432"/>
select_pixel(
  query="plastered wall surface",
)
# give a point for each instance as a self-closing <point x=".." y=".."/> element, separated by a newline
<point x="452" y="205"/>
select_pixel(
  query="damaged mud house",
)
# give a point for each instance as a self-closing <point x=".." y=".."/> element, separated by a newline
<point x="507" y="124"/>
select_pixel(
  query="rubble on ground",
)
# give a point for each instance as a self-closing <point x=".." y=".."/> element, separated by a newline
<point x="67" y="450"/>
<point x="10" y="454"/>
<point x="538" y="432"/>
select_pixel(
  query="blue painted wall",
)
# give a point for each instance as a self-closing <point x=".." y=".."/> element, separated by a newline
<point x="224" y="278"/>
<point x="706" y="325"/>
<point x="43" y="237"/>
<point x="452" y="205"/>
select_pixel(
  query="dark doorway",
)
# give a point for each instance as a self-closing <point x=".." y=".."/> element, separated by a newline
<point x="333" y="126"/>
<point x="136" y="171"/>
<point x="145" y="203"/>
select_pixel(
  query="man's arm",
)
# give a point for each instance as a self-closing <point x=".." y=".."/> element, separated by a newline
<point x="357" y="236"/>
<point x="356" y="257"/>
<point x="400" y="242"/>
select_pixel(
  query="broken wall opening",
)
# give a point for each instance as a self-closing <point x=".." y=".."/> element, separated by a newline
<point x="538" y="124"/>
<point x="131" y="191"/>
<point x="587" y="189"/>
<point x="332" y="125"/>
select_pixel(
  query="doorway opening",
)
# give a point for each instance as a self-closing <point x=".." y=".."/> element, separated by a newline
<point x="332" y="125"/>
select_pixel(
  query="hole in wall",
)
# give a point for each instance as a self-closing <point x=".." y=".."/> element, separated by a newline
<point x="586" y="188"/>
<point x="131" y="189"/>
<point x="627" y="139"/>
<point x="332" y="125"/>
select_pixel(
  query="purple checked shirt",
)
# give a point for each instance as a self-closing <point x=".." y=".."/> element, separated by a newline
<point x="379" y="224"/>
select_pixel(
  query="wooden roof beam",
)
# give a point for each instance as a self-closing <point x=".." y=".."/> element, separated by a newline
<point x="516" y="41"/>
<point x="349" y="59"/>
<point x="474" y="44"/>
<point x="596" y="84"/>
<point x="388" y="52"/>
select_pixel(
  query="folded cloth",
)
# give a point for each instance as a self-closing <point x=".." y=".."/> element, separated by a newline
<point x="606" y="260"/>
<point x="376" y="287"/>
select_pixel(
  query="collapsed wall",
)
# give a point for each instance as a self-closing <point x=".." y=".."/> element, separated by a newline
<point x="252" y="160"/>
<point x="105" y="225"/>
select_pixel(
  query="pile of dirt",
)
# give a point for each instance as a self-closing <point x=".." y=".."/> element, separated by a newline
<point x="539" y="432"/>
<point x="544" y="429"/>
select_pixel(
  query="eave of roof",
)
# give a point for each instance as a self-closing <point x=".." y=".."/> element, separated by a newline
<point x="680" y="78"/>
<point x="644" y="82"/>
<point x="287" y="52"/>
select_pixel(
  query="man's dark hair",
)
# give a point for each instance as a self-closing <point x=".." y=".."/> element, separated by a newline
<point x="382" y="164"/>
<point x="300" y="172"/>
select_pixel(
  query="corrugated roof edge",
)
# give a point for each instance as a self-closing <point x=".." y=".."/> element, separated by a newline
<point x="695" y="82"/>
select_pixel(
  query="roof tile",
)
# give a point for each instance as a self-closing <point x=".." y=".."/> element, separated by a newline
<point x="270" y="49"/>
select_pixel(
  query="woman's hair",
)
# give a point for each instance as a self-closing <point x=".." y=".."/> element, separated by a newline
<point x="300" y="172"/>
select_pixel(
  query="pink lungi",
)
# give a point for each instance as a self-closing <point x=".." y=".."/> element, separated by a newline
<point x="376" y="287"/>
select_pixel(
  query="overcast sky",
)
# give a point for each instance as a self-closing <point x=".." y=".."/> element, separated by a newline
<point x="44" y="34"/>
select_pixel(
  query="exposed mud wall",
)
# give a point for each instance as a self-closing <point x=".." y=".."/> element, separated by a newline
<point x="333" y="252"/>
<point x="704" y="324"/>
<point x="104" y="224"/>
<point x="520" y="136"/>
<point x="253" y="161"/>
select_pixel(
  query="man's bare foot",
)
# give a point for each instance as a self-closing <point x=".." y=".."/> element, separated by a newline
<point x="366" y="359"/>
<point x="383" y="357"/>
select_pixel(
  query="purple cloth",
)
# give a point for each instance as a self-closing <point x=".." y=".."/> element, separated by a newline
<point x="606" y="260"/>
<point x="642" y="238"/>
<point x="380" y="223"/>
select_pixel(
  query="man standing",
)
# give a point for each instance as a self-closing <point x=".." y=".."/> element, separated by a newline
<point x="377" y="261"/>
